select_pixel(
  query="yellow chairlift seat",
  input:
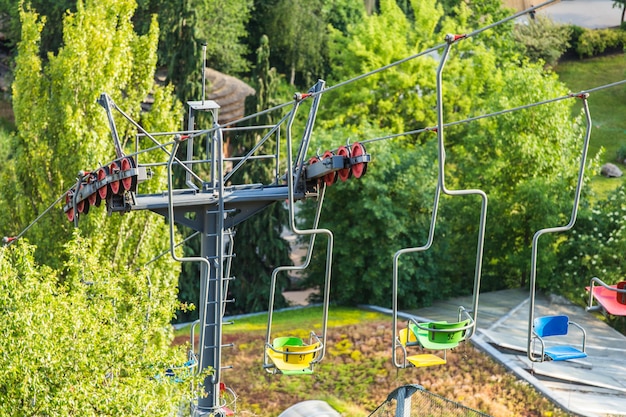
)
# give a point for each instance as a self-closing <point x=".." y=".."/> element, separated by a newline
<point x="439" y="335"/>
<point x="291" y="356"/>
<point x="408" y="338"/>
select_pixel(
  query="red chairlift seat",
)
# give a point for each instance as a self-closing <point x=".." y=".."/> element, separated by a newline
<point x="608" y="297"/>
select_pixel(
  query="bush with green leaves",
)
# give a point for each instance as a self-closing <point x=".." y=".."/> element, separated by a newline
<point x="543" y="39"/>
<point x="594" y="42"/>
<point x="95" y="342"/>
<point x="594" y="248"/>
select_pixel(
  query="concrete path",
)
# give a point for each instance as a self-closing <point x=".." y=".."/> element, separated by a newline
<point x="594" y="386"/>
<point x="591" y="14"/>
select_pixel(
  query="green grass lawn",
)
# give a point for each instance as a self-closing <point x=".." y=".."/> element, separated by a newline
<point x="285" y="320"/>
<point x="607" y="107"/>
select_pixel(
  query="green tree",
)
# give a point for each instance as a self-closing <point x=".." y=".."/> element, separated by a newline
<point x="62" y="130"/>
<point x="52" y="32"/>
<point x="93" y="342"/>
<point x="88" y="330"/>
<point x="297" y="33"/>
<point x="593" y="247"/>
<point x="187" y="25"/>
<point x="374" y="216"/>
<point x="526" y="161"/>
<point x="259" y="243"/>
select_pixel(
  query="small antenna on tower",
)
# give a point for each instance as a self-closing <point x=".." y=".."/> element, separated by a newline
<point x="203" y="71"/>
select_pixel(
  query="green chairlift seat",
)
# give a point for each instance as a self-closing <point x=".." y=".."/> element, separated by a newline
<point x="408" y="338"/>
<point x="439" y="335"/>
<point x="436" y="335"/>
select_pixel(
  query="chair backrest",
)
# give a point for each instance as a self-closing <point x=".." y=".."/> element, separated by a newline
<point x="551" y="325"/>
<point x="455" y="335"/>
<point x="406" y="336"/>
<point x="281" y="342"/>
<point x="303" y="354"/>
<point x="621" y="296"/>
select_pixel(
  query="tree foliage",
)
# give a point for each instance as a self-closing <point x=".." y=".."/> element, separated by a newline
<point x="93" y="342"/>
<point x="259" y="242"/>
<point x="544" y="39"/>
<point x="52" y="32"/>
<point x="593" y="248"/>
<point x="620" y="4"/>
<point x="187" y="25"/>
<point x="298" y="32"/>
<point x="525" y="161"/>
<point x="62" y="130"/>
<point x="371" y="218"/>
<point x="87" y="329"/>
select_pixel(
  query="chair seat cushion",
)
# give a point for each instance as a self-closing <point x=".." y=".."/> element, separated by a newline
<point x="563" y="353"/>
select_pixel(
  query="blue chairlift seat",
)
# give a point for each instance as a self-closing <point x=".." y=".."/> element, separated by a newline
<point x="548" y="326"/>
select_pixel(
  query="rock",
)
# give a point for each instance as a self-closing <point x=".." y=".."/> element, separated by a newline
<point x="610" y="170"/>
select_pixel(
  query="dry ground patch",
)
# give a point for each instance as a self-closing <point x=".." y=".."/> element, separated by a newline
<point x="357" y="374"/>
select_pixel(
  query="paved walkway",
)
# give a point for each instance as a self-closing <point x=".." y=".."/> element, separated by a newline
<point x="591" y="14"/>
<point x="594" y="386"/>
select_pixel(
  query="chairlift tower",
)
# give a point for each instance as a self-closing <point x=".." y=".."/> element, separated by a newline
<point x="210" y="207"/>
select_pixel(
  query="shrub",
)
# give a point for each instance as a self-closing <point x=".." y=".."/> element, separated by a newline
<point x="543" y="39"/>
<point x="575" y="34"/>
<point x="594" y="42"/>
<point x="593" y="248"/>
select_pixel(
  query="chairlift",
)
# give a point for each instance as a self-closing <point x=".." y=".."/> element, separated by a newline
<point x="541" y="327"/>
<point x="291" y="355"/>
<point x="610" y="299"/>
<point x="438" y="335"/>
<point x="433" y="336"/>
<point x="550" y="326"/>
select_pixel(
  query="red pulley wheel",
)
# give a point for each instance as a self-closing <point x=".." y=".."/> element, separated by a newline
<point x="114" y="168"/>
<point x="70" y="212"/>
<point x="358" y="169"/>
<point x="93" y="199"/>
<point x="101" y="175"/>
<point x="331" y="177"/>
<point x="127" y="164"/>
<point x="344" y="173"/>
<point x="82" y="206"/>
<point x="314" y="160"/>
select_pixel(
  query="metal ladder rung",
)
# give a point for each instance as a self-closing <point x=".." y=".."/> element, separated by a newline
<point x="223" y="279"/>
<point x="224" y="256"/>
<point x="221" y="346"/>
<point x="220" y="211"/>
